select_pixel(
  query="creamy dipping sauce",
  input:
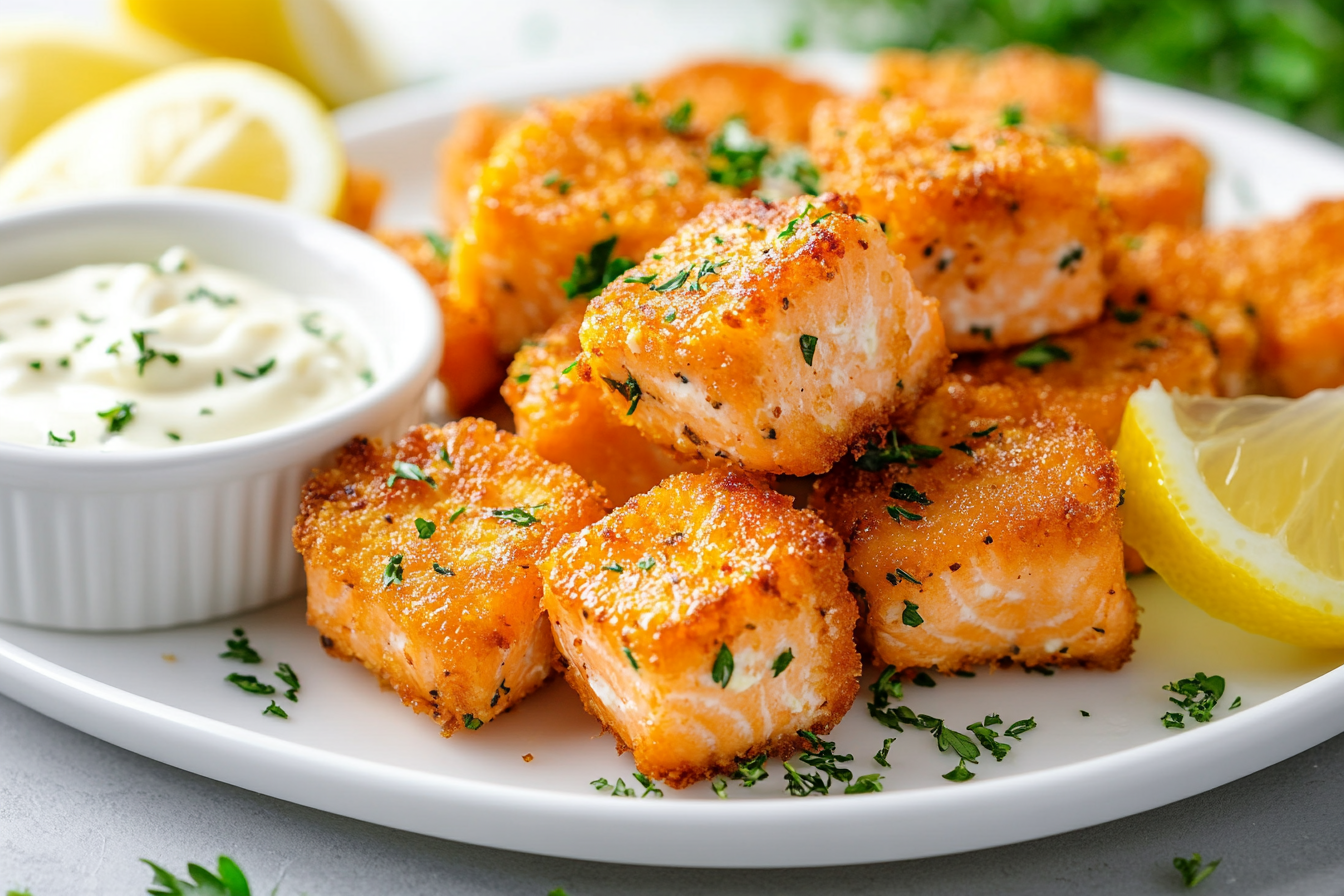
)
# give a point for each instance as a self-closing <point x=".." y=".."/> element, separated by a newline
<point x="119" y="357"/>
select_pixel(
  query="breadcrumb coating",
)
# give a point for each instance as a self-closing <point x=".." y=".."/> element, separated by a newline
<point x="462" y="155"/>
<point x="772" y="103"/>
<point x="704" y="622"/>
<point x="1153" y="180"/>
<point x="771" y="336"/>
<point x="450" y="620"/>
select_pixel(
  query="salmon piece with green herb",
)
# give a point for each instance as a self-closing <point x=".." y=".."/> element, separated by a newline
<point x="567" y="419"/>
<point x="1054" y="91"/>
<point x="772" y="104"/>
<point x="1002" y="546"/>
<point x="422" y="562"/>
<point x="994" y="217"/>
<point x="1152" y="180"/>
<point x="770" y="336"/>
<point x="704" y="623"/>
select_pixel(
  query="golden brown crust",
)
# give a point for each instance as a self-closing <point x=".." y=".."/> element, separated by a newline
<point x="1153" y="180"/>
<point x="771" y="103"/>
<point x="643" y="602"/>
<point x="1053" y="91"/>
<point x="711" y="328"/>
<point x="462" y="155"/>
<point x="469" y="368"/>
<point x="999" y="223"/>
<point x="563" y="177"/>
<point x="1017" y="554"/>
<point x="567" y="419"/>
<point x="473" y="640"/>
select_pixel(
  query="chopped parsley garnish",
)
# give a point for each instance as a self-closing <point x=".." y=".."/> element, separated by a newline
<point x="823" y="758"/>
<point x="553" y="179"/>
<point x="1235" y="703"/>
<point x="647" y="564"/>
<point x="671" y="178"/>
<point x="985" y="333"/>
<point x="442" y="248"/>
<point x="900" y="513"/>
<point x="750" y="771"/>
<point x="310" y="324"/>
<point x="457" y="513"/>
<point x="1041" y="354"/>
<point x="923" y="680"/>
<point x="219" y="378"/>
<point x="412" y="472"/>
<point x="879" y="457"/>
<point x="1200" y="695"/>
<point x="230" y="880"/>
<point x="615" y="567"/>
<point x="471" y="722"/>
<point x="960" y="773"/>
<point x="1011" y="116"/>
<point x="1127" y="315"/>
<point x="722" y="672"/>
<point x="240" y="649"/>
<point x="1116" y="154"/>
<point x="631" y="657"/>
<point x="1173" y="720"/>
<point x="262" y="369"/>
<point x="287" y="675"/>
<point x="1150" y="344"/>
<point x="91" y="321"/>
<point x="963" y="448"/>
<point x="871" y="783"/>
<point x="791" y="227"/>
<point x="1071" y="257"/>
<point x="910" y="616"/>
<point x="592" y="272"/>
<point x="676" y="281"/>
<point x="365" y="375"/>
<point x="275" y="710"/>
<point x="959" y="147"/>
<point x="638" y="95"/>
<point x="519" y="516"/>
<point x="617" y="789"/>
<point x="213" y="297"/>
<point x="1085" y="713"/>
<point x="53" y="439"/>
<point x="706" y="267"/>
<point x="392" y="571"/>
<point x="629" y="390"/>
<point x="249" y="683"/>
<point x="36" y="365"/>
<point x="444" y="570"/>
<point x="679" y="119"/>
<point x="981" y="433"/>
<point x="645" y="279"/>
<point x="522" y="378"/>
<point x="669" y="317"/>
<point x="795" y="165"/>
<point x="899" y="575"/>
<point x="720" y="788"/>
<point x="735" y="155"/>
<point x="1193" y="870"/>
<point x="782" y="662"/>
<point x="808" y="344"/>
<point x="119" y="416"/>
<point x="572" y="365"/>
<point x="800" y="784"/>
<point x="424" y="528"/>
<point x="149" y="354"/>
<point x="648" y="784"/>
<point x="172" y="435"/>
<point x="903" y="492"/>
<point x="880" y="757"/>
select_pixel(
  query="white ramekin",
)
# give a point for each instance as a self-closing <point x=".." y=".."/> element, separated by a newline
<point x="157" y="538"/>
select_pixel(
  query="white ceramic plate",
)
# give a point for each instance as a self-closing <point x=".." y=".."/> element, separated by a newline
<point x="352" y="749"/>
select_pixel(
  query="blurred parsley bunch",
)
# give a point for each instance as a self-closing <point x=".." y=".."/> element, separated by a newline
<point x="1283" y="57"/>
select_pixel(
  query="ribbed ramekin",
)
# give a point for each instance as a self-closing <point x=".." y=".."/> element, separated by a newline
<point x="148" y="539"/>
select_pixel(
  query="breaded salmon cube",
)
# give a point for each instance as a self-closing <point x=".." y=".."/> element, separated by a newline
<point x="1153" y="180"/>
<point x="1005" y="550"/>
<point x="359" y="202"/>
<point x="423" y="563"/>
<point x="998" y="222"/>
<point x="1088" y="373"/>
<point x="1053" y="90"/>
<point x="773" y="104"/>
<point x="772" y="336"/>
<point x="704" y="622"/>
<point x="462" y="155"/>
<point x="572" y="192"/>
<point x="567" y="420"/>
<point x="469" y="368"/>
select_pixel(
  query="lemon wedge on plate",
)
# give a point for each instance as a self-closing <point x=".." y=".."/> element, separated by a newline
<point x="309" y="40"/>
<point x="216" y="124"/>
<point x="1239" y="504"/>
<point x="47" y="71"/>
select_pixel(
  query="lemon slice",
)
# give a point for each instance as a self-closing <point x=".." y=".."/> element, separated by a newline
<point x="1239" y="505"/>
<point x="309" y="40"/>
<point x="217" y="124"/>
<point x="47" y="71"/>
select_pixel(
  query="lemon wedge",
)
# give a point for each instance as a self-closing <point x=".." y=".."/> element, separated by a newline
<point x="1239" y="505"/>
<point x="309" y="40"/>
<point x="47" y="71"/>
<point x="216" y="124"/>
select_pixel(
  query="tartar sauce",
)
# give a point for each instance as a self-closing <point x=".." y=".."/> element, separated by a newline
<point x="113" y="357"/>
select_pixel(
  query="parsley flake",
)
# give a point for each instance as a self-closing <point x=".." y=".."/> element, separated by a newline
<point x="457" y="513"/>
<point x="720" y="788"/>
<point x="985" y="333"/>
<point x="900" y="513"/>
<point x="519" y="516"/>
<point x="735" y="155"/>
<point x="750" y="771"/>
<point x="592" y="272"/>
<point x="629" y="390"/>
<point x="424" y="528"/>
<point x="392" y="571"/>
<point x="249" y="683"/>
<point x="442" y="248"/>
<point x="411" y="472"/>
<point x="923" y="680"/>
<point x="910" y="616"/>
<point x="647" y="564"/>
<point x="1011" y="116"/>
<point x="213" y="297"/>
<point x="471" y="722"/>
<point x="1200" y="695"/>
<point x="1193" y="870"/>
<point x="275" y="710"/>
<point x="648" y="784"/>
<point x="904" y="492"/>
<point x="879" y="457"/>
<point x="1173" y="720"/>
<point x="782" y="662"/>
<point x="960" y="773"/>
<point x="871" y="783"/>
<point x="119" y="416"/>
<point x="262" y="369"/>
<point x="676" y="281"/>
<point x="678" y="121"/>
<point x="799" y="784"/>
<point x="53" y="439"/>
<point x="1071" y="258"/>
<point x="615" y="567"/>
<point x="230" y="880"/>
<point x="444" y="570"/>
<point x="899" y="575"/>
<point x="880" y="757"/>
<point x="631" y="657"/>
<point x="1041" y="354"/>
<point x="722" y="672"/>
<point x="240" y="649"/>
<point x="808" y="344"/>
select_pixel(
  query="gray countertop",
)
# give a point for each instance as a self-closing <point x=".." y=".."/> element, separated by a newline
<point x="76" y="814"/>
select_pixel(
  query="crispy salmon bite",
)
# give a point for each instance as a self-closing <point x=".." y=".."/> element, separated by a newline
<point x="771" y="103"/>
<point x="774" y="337"/>
<point x="1152" y="180"/>
<point x="422" y="563"/>
<point x="572" y="191"/>
<point x="567" y="419"/>
<point x="995" y="218"/>
<point x="1005" y="550"/>
<point x="705" y="622"/>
